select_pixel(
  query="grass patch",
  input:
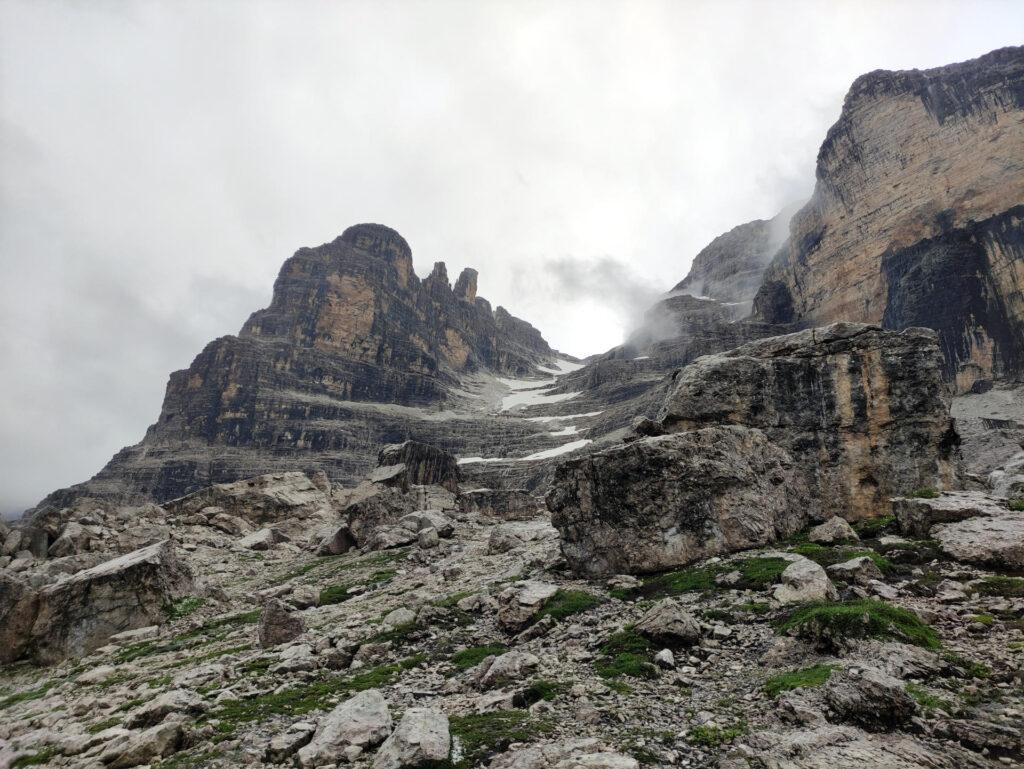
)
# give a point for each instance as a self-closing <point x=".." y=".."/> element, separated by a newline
<point x="310" y="696"/>
<point x="626" y="653"/>
<point x="714" y="736"/>
<point x="970" y="668"/>
<point x="478" y="737"/>
<point x="721" y="615"/>
<point x="1007" y="587"/>
<point x="184" y="607"/>
<point x="473" y="656"/>
<point x="104" y="724"/>
<point x="924" y="493"/>
<point x="449" y="602"/>
<point x="543" y="689"/>
<point x="829" y="556"/>
<point x="1017" y="505"/>
<point x="928" y="701"/>
<point x="566" y="603"/>
<point x="829" y="624"/>
<point x="815" y="675"/>
<point x="873" y="527"/>
<point x="41" y="756"/>
<point x="334" y="594"/>
<point x="984" y="619"/>
<point x="209" y="633"/>
<point x="755" y="574"/>
<point x="32" y="694"/>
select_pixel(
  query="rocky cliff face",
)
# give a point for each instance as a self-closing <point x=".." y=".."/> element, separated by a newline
<point x="731" y="267"/>
<point x="354" y="352"/>
<point x="916" y="218"/>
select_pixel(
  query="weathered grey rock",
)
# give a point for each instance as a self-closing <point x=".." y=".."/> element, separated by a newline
<point x="863" y="412"/>
<point x="846" y="747"/>
<point x="372" y="506"/>
<point x="398" y="617"/>
<point x="273" y="497"/>
<point x="421" y="737"/>
<point x="804" y="581"/>
<point x="73" y="539"/>
<point x="667" y="501"/>
<point x="429" y="519"/>
<point x="665" y="659"/>
<point x="406" y="464"/>
<point x="869" y="698"/>
<point x="917" y="515"/>
<point x="278" y="624"/>
<point x="510" y="536"/>
<point x="993" y="540"/>
<point x="860" y="570"/>
<point x="508" y="504"/>
<point x="264" y="539"/>
<point x="143" y="747"/>
<point x="362" y="721"/>
<point x="81" y="613"/>
<point x="566" y="754"/>
<point x="174" y="701"/>
<point x="287" y="743"/>
<point x="335" y="540"/>
<point x="507" y="668"/>
<point x="521" y="602"/>
<point x="19" y="605"/>
<point x="982" y="735"/>
<point x="834" y="531"/>
<point x="667" y="623"/>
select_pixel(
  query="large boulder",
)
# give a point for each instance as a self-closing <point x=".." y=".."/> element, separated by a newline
<point x="864" y="412"/>
<point x="278" y="624"/>
<point x="869" y="698"/>
<point x="509" y="504"/>
<point x="19" y="605"/>
<point x="274" y="497"/>
<point x="804" y="581"/>
<point x="372" y="506"/>
<point x="362" y="721"/>
<point x="421" y="738"/>
<point x="665" y="501"/>
<point x="403" y="465"/>
<point x="79" y="614"/>
<point x="917" y="515"/>
<point x="667" y="623"/>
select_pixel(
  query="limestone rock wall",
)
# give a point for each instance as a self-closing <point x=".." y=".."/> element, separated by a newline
<point x="916" y="219"/>
<point x="865" y="411"/>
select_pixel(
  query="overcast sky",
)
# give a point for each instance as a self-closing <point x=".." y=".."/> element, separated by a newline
<point x="159" y="160"/>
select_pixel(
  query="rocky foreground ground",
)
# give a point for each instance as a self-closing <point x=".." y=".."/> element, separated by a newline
<point x="466" y="642"/>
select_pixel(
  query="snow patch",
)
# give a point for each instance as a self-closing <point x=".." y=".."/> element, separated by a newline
<point x="642" y="357"/>
<point x="561" y="367"/>
<point x="563" y="416"/>
<point x="473" y="460"/>
<point x="533" y="398"/>
<point x="558" y="450"/>
<point x="567" y="430"/>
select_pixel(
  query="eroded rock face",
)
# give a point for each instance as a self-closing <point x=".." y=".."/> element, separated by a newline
<point x="362" y="721"/>
<point x="661" y="502"/>
<point x="350" y="327"/>
<point x="79" y="614"/>
<point x="18" y="607"/>
<point x="864" y="412"/>
<point x="916" y="219"/>
<point x="414" y="463"/>
<point x="261" y="499"/>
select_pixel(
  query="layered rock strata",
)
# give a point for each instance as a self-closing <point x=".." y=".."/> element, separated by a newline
<point x="916" y="219"/>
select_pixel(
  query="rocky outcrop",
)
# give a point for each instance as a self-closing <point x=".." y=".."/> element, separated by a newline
<point x="730" y="268"/>
<point x="414" y="463"/>
<point x="916" y="219"/>
<point x="665" y="501"/>
<point x="77" y="615"/>
<point x="864" y="412"/>
<point x="354" y="352"/>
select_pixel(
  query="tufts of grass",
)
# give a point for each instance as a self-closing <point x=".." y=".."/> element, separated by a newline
<point x="543" y="689"/>
<point x="828" y="556"/>
<point x="815" y="675"/>
<point x="211" y="632"/>
<point x="755" y="574"/>
<point x="473" y="656"/>
<point x="480" y="736"/>
<point x="984" y="619"/>
<point x="566" y="603"/>
<point x="831" y="624"/>
<point x="1007" y="587"/>
<point x="970" y="668"/>
<point x="626" y="653"/>
<point x="1017" y="505"/>
<point x="870" y="528"/>
<point x="449" y="602"/>
<point x="41" y="756"/>
<point x="924" y="493"/>
<point x="334" y="594"/>
<point x="928" y="701"/>
<point x="26" y="696"/>
<point x="714" y="736"/>
<point x="754" y="607"/>
<point x="184" y="607"/>
<point x="317" y="694"/>
<point x="104" y="724"/>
